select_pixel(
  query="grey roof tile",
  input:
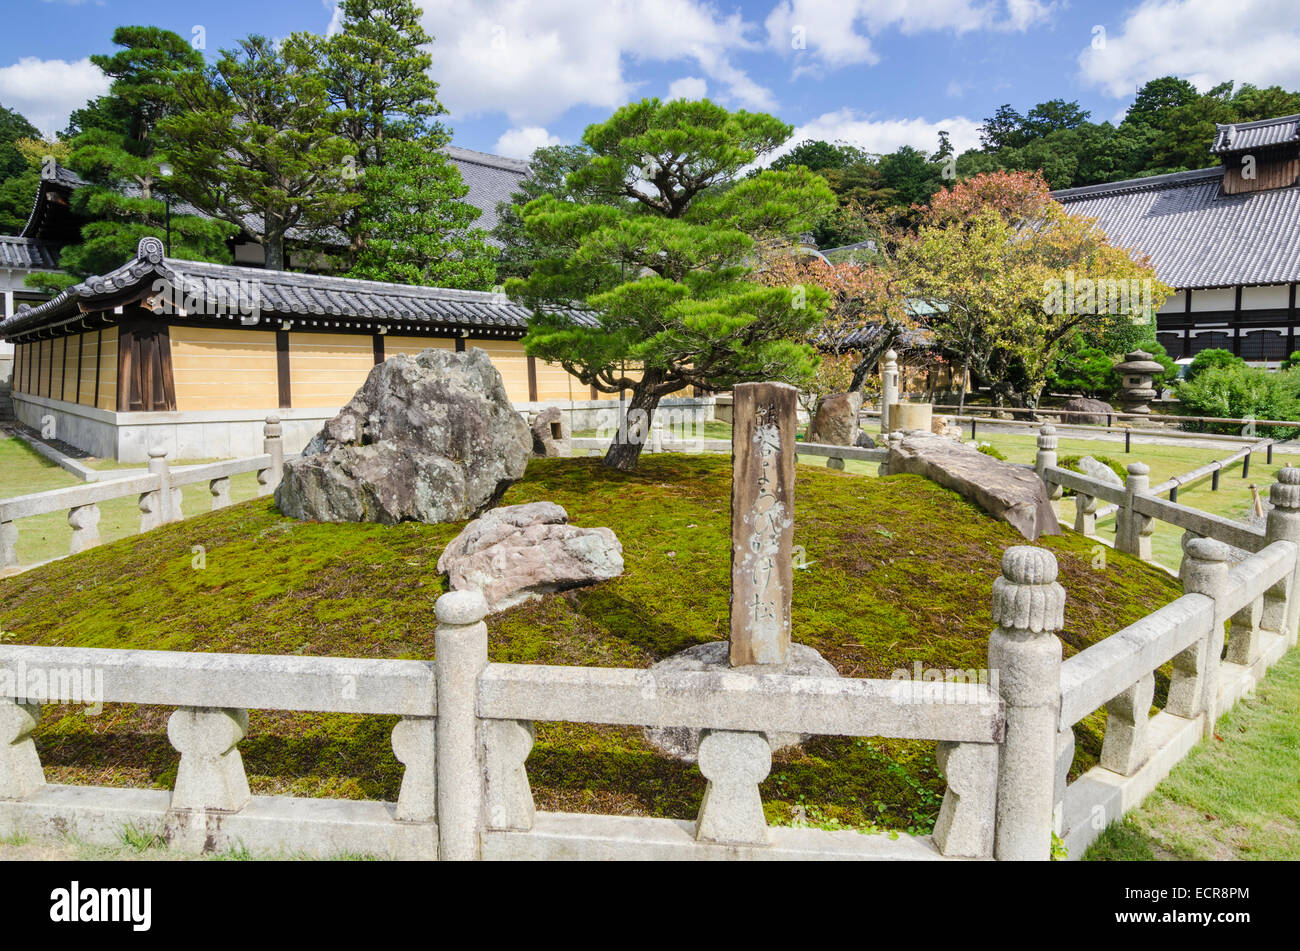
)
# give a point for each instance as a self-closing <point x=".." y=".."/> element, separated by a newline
<point x="27" y="253"/>
<point x="1195" y="236"/>
<point x="1261" y="134"/>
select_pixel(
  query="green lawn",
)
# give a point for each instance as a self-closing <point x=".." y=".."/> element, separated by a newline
<point x="898" y="571"/>
<point x="42" y="537"/>
<point x="1234" y="797"/>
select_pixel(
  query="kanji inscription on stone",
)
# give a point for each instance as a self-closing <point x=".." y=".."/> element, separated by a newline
<point x="762" y="521"/>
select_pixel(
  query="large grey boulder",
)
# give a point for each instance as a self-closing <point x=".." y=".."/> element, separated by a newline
<point x="1014" y="494"/>
<point x="516" y="553"/>
<point x="430" y="438"/>
<point x="836" y="421"/>
<point x="1084" y="411"/>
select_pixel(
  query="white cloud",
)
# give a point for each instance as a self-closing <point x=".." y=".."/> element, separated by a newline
<point x="520" y="143"/>
<point x="536" y="59"/>
<point x="47" y="90"/>
<point x="833" y="33"/>
<point x="885" y="135"/>
<point x="1203" y="41"/>
<point x="688" y="87"/>
<point x="954" y="89"/>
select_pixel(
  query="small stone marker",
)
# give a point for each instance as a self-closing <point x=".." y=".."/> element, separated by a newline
<point x="762" y="522"/>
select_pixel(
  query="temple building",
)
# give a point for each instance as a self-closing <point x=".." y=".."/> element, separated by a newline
<point x="192" y="356"/>
<point x="1226" y="238"/>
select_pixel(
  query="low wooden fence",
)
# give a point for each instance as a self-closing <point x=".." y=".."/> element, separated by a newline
<point x="158" y="494"/>
<point x="466" y="726"/>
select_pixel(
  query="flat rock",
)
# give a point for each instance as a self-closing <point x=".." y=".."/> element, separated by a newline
<point x="1011" y="493"/>
<point x="683" y="743"/>
<point x="1083" y="410"/>
<point x="429" y="438"/>
<point x="517" y="553"/>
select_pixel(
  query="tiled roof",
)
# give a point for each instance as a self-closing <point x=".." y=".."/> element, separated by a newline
<point x="27" y="254"/>
<point x="282" y="294"/>
<point x="1195" y="236"/>
<point x="1261" y="134"/>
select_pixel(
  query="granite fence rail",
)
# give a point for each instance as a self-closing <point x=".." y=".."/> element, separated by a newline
<point x="158" y="491"/>
<point x="466" y="727"/>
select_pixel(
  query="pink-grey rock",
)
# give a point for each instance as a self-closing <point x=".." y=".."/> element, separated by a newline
<point x="836" y="421"/>
<point x="429" y="438"/>
<point x="517" y="553"/>
<point x="1014" y="494"/>
<point x="1082" y="410"/>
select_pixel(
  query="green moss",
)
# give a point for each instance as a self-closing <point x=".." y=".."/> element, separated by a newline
<point x="898" y="570"/>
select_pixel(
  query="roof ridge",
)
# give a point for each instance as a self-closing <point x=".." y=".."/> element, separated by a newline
<point x="486" y="158"/>
<point x="1188" y="177"/>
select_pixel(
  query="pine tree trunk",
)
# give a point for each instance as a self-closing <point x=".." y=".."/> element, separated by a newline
<point x="625" y="450"/>
<point x="273" y="252"/>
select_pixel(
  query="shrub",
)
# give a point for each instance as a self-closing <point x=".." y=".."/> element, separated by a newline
<point x="988" y="450"/>
<point x="1212" y="360"/>
<point x="1240" y="391"/>
<point x="1291" y="362"/>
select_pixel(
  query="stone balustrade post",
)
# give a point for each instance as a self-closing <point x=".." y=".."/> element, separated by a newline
<point x="273" y="446"/>
<point x="8" y="545"/>
<point x="84" y="520"/>
<point x="161" y="505"/>
<point x="892" y="444"/>
<point x="1085" y="514"/>
<point x="211" y="775"/>
<point x="414" y="745"/>
<point x="220" y="491"/>
<point x="1133" y="530"/>
<point x="734" y="763"/>
<point x="1046" y="458"/>
<point x="21" y="774"/>
<point x="1284" y="525"/>
<point x="460" y="656"/>
<point x="1194" y="685"/>
<point x="1244" y="643"/>
<point x="1064" y="759"/>
<point x="969" y="810"/>
<point x="888" y="390"/>
<point x="508" y="797"/>
<point x="1025" y="655"/>
<point x="1128" y="720"/>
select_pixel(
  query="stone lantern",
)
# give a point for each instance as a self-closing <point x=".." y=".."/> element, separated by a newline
<point x="1136" y="373"/>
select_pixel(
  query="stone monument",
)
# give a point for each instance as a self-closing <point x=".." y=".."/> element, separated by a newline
<point x="762" y="562"/>
<point x="762" y="522"/>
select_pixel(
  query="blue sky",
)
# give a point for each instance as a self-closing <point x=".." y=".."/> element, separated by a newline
<point x="878" y="73"/>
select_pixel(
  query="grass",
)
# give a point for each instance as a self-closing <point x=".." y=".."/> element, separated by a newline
<point x="42" y="537"/>
<point x="1232" y="798"/>
<point x="900" y="571"/>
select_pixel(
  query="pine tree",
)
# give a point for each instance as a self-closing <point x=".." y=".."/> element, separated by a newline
<point x="257" y="140"/>
<point x="115" y="149"/>
<point x="663" y="271"/>
<point x="418" y="230"/>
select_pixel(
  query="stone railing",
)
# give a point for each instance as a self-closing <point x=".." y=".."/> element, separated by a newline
<point x="158" y="492"/>
<point x="466" y="729"/>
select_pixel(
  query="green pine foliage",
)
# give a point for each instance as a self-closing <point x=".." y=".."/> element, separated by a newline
<point x="660" y="259"/>
<point x="418" y="230"/>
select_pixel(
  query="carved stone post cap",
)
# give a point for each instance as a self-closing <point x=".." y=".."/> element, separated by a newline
<point x="1139" y="469"/>
<point x="157" y="452"/>
<point x="273" y="419"/>
<point x="461" y="607"/>
<point x="1047" y="429"/>
<point x="1205" y="549"/>
<point x="1026" y="596"/>
<point x="891" y="355"/>
<point x="1285" y="492"/>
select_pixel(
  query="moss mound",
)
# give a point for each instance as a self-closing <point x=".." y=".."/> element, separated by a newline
<point x="897" y="571"/>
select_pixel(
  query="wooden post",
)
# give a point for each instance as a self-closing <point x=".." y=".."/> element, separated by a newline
<point x="762" y="522"/>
